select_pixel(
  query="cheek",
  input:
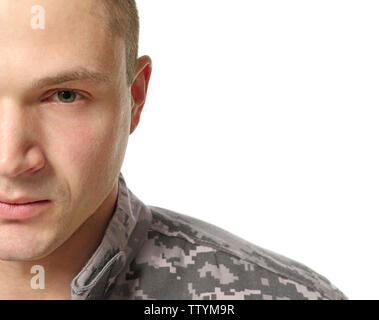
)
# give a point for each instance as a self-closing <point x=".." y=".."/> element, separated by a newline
<point x="88" y="158"/>
<point x="91" y="149"/>
<point x="90" y="144"/>
<point x="84" y="149"/>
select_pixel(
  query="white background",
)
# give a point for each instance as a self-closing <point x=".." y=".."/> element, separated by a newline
<point x="262" y="118"/>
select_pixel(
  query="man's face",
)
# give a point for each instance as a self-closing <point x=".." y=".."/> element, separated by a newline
<point x="55" y="145"/>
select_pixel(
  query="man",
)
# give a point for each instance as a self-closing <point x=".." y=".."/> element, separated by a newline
<point x="71" y="92"/>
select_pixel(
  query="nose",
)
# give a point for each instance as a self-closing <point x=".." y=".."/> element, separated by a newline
<point x="20" y="151"/>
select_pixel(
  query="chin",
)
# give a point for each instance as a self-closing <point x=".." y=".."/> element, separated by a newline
<point x="25" y="247"/>
<point x="29" y="253"/>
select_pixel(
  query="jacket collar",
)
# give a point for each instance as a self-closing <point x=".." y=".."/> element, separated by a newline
<point x="123" y="237"/>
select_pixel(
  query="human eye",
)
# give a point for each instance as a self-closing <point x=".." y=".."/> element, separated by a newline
<point x="65" y="96"/>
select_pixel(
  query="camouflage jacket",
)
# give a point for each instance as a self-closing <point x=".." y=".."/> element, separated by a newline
<point x="149" y="252"/>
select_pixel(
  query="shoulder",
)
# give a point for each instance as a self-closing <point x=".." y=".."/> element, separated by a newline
<point x="201" y="261"/>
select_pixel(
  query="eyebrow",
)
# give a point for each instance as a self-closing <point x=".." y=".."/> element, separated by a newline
<point x="77" y="74"/>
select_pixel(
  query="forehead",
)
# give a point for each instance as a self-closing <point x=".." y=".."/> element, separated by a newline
<point x="74" y="34"/>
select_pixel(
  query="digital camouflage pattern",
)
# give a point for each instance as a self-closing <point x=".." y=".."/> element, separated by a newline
<point x="153" y="253"/>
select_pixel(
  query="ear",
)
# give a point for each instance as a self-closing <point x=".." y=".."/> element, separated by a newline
<point x="139" y="89"/>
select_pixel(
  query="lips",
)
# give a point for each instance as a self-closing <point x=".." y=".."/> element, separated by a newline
<point x="20" y="211"/>
<point x="20" y="200"/>
<point x="20" y="203"/>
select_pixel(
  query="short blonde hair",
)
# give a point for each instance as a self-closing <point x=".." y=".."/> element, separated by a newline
<point x="122" y="20"/>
